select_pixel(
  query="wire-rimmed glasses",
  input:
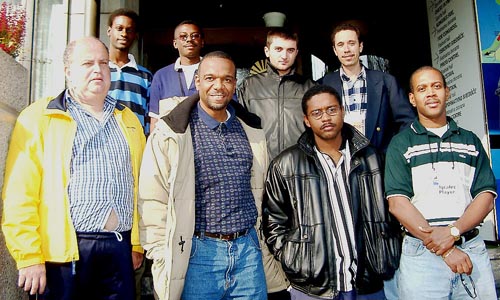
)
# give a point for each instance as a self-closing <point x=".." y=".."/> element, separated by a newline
<point x="331" y="111"/>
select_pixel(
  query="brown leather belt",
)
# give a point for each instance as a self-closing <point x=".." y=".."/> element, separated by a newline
<point x="464" y="237"/>
<point x="220" y="236"/>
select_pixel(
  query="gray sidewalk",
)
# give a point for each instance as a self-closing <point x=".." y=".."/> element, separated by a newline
<point x="494" y="252"/>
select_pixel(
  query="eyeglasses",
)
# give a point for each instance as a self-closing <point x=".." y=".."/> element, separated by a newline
<point x="467" y="283"/>
<point x="331" y="111"/>
<point x="193" y="36"/>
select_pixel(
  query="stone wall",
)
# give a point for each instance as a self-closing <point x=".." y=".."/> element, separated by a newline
<point x="13" y="98"/>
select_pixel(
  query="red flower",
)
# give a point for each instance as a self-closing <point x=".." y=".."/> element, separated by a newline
<point x="12" y="28"/>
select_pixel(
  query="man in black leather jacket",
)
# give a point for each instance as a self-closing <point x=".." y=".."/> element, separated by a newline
<point x="325" y="216"/>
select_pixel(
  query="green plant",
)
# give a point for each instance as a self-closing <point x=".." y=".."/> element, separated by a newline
<point x="12" y="28"/>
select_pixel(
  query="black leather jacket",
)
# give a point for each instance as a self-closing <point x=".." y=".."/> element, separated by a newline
<point x="297" y="213"/>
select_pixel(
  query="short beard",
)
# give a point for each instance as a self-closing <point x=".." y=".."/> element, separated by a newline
<point x="218" y="107"/>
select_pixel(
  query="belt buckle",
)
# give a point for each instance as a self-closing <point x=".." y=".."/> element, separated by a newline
<point x="221" y="236"/>
<point x="236" y="235"/>
<point x="226" y="237"/>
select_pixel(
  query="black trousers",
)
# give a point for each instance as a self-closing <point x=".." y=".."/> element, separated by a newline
<point x="104" y="270"/>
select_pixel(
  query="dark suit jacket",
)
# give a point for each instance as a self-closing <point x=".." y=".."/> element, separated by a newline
<point x="389" y="109"/>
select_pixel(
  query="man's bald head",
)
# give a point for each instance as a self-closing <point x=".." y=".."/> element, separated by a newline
<point x="70" y="48"/>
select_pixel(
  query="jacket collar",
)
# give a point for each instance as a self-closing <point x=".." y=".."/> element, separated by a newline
<point x="356" y="140"/>
<point x="60" y="102"/>
<point x="178" y="118"/>
<point x="274" y="72"/>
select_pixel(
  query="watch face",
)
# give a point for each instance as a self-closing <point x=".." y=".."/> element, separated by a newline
<point x="454" y="231"/>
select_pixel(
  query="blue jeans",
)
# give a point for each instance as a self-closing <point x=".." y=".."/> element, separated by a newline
<point x="391" y="287"/>
<point x="221" y="269"/>
<point x="351" y="295"/>
<point x="424" y="275"/>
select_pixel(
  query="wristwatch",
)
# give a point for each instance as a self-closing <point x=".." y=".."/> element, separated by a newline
<point x="455" y="233"/>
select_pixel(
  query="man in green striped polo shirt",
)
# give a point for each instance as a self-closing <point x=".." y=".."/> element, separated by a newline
<point x="440" y="186"/>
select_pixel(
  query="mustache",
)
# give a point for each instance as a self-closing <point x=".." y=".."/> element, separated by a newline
<point x="328" y="124"/>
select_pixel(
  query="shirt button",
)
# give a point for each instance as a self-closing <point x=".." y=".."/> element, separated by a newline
<point x="378" y="129"/>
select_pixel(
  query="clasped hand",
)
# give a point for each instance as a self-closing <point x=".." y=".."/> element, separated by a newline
<point x="440" y="242"/>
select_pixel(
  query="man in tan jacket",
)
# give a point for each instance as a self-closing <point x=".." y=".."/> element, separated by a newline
<point x="200" y="195"/>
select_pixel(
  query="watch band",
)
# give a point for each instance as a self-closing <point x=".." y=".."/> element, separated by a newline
<point x="455" y="233"/>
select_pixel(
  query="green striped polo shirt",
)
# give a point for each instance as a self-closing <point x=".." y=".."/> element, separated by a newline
<point x="439" y="175"/>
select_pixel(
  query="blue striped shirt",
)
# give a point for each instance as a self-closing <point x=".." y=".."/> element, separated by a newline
<point x="130" y="85"/>
<point x="100" y="171"/>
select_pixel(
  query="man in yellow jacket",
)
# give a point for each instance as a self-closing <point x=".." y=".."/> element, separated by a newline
<point x="70" y="188"/>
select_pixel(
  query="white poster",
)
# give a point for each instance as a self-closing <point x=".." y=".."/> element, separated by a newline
<point x="455" y="51"/>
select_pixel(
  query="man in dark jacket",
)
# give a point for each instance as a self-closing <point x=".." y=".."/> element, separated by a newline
<point x="373" y="101"/>
<point x="323" y="202"/>
<point x="275" y="94"/>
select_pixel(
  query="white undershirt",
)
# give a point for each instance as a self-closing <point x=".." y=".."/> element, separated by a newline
<point x="189" y="73"/>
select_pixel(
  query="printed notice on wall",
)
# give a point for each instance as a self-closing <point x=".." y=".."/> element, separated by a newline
<point x="455" y="51"/>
